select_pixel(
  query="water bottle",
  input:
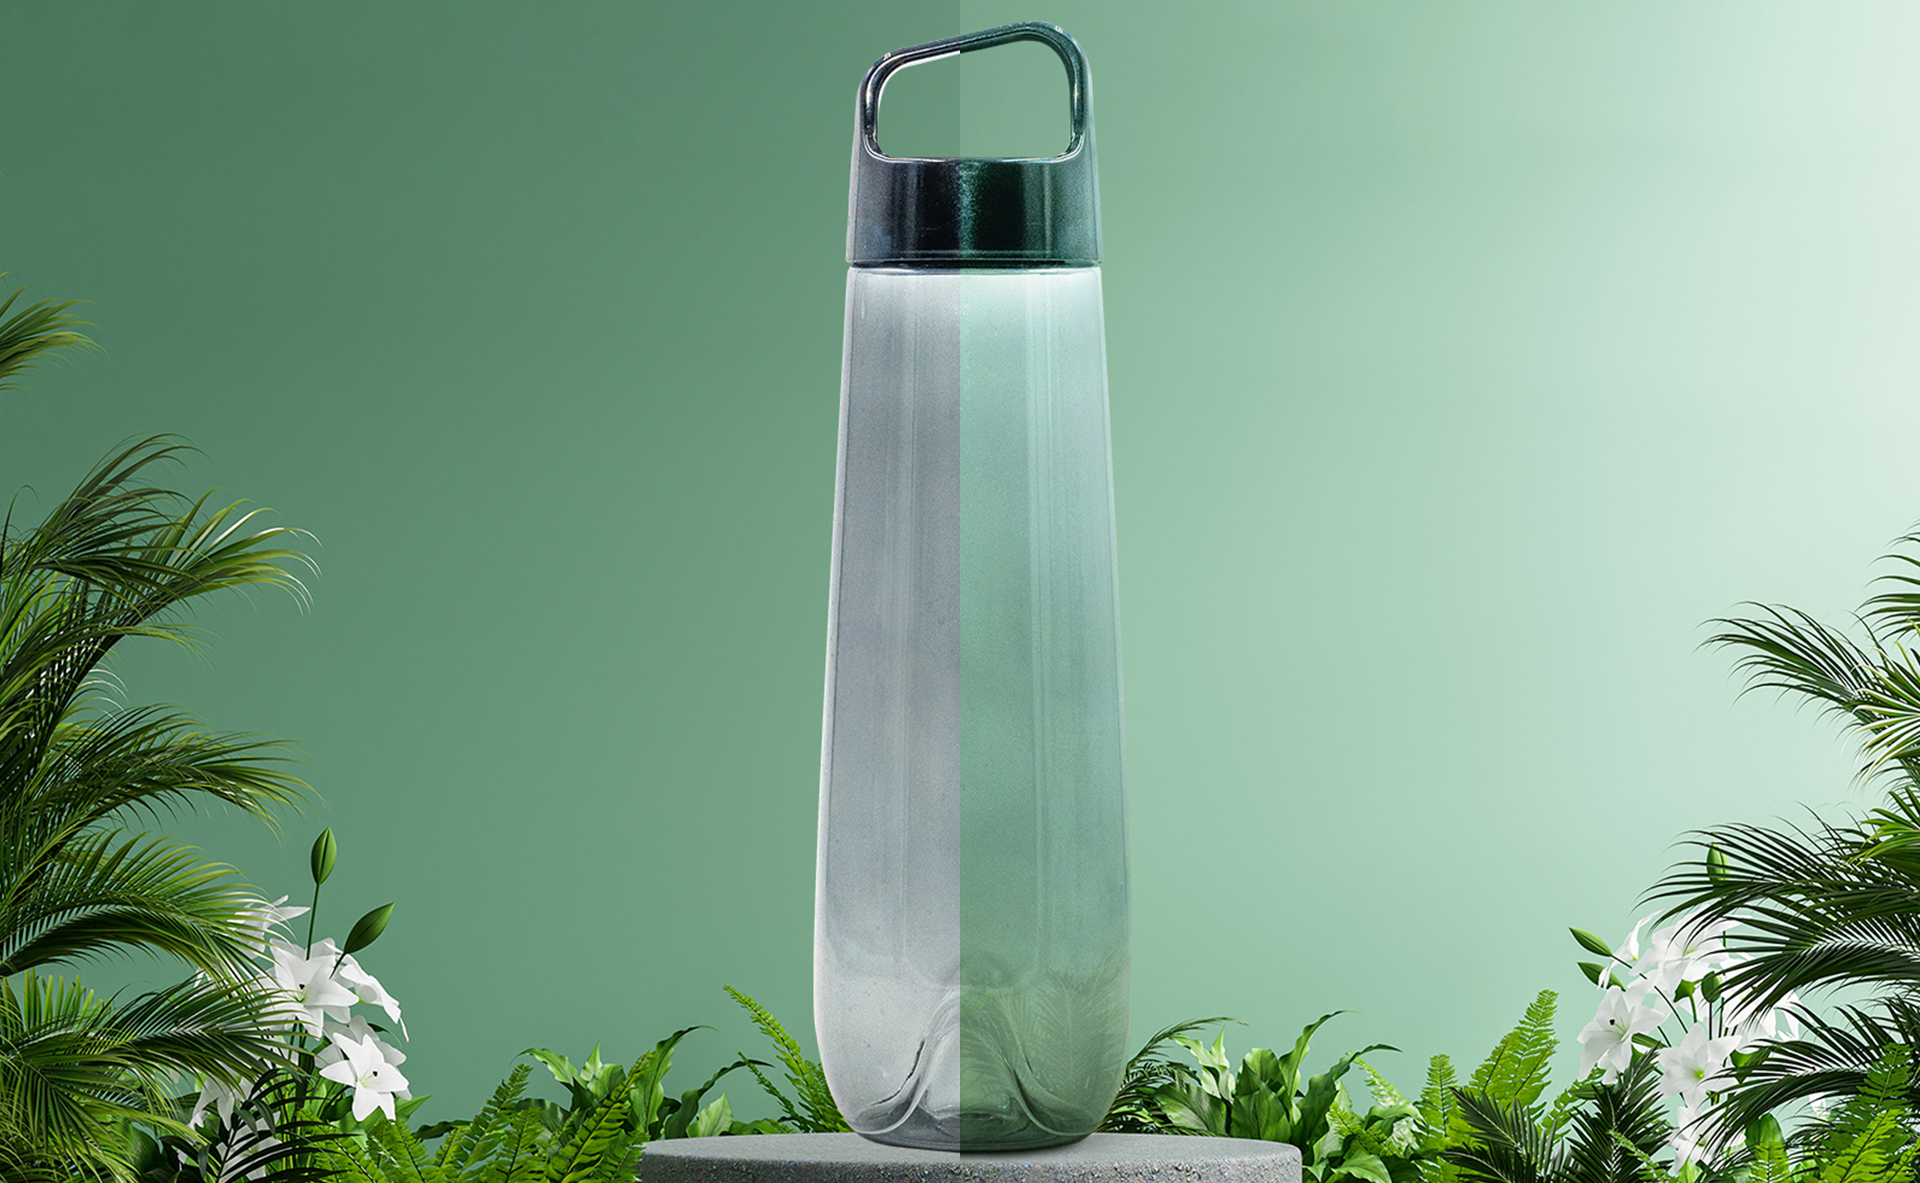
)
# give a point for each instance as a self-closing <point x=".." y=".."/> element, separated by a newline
<point x="971" y="954"/>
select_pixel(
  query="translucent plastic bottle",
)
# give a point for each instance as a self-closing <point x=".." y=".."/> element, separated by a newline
<point x="971" y="953"/>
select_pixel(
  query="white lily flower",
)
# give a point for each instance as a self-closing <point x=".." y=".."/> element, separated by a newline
<point x="368" y="989"/>
<point x="1688" y="1068"/>
<point x="1689" y="1127"/>
<point x="1753" y="1027"/>
<point x="222" y="1098"/>
<point x="374" y="1081"/>
<point x="1785" y="1025"/>
<point x="1686" y="951"/>
<point x="1627" y="956"/>
<point x="259" y="918"/>
<point x="1608" y="1040"/>
<point x="359" y="1030"/>
<point x="266" y="1142"/>
<point x="312" y="994"/>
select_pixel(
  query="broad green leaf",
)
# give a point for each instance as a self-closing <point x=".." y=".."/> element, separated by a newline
<point x="1263" y="1066"/>
<point x="368" y="928"/>
<point x="559" y="1065"/>
<point x="647" y="1093"/>
<point x="715" y="1119"/>
<point x="1261" y="1115"/>
<point x="1362" y="1166"/>
<point x="1196" y="1111"/>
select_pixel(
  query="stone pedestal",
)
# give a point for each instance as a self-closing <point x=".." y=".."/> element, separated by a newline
<point x="849" y="1158"/>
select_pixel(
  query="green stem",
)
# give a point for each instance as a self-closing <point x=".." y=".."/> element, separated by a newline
<point x="313" y="914"/>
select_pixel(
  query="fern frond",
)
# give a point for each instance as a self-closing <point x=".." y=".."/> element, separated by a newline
<point x="1136" y="1109"/>
<point x="475" y="1140"/>
<point x="520" y="1158"/>
<point x="347" y="1161"/>
<point x="821" y="1113"/>
<point x="1515" y="1073"/>
<point x="1436" y="1099"/>
<point x="1864" y="1159"/>
<point x="1382" y="1089"/>
<point x="600" y="1135"/>
<point x="406" y="1157"/>
<point x="773" y="1090"/>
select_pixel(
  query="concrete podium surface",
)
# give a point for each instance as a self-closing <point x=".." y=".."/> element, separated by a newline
<point x="849" y="1158"/>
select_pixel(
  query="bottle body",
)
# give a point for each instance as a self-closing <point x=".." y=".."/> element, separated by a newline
<point x="971" y="922"/>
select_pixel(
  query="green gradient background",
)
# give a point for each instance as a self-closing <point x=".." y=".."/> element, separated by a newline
<point x="1464" y="360"/>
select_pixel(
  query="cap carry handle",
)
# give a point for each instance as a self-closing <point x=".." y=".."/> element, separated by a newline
<point x="1051" y="36"/>
<point x="974" y="211"/>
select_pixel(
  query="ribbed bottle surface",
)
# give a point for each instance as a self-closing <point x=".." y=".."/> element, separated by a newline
<point x="971" y="940"/>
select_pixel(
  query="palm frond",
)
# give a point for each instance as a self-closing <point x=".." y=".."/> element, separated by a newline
<point x="1898" y="611"/>
<point x="71" y="1062"/>
<point x="106" y="893"/>
<point x="1504" y="1144"/>
<point x="153" y="759"/>
<point x="33" y="332"/>
<point x="119" y="557"/>
<point x="1834" y="1058"/>
<point x="1614" y="1137"/>
<point x="271" y="1139"/>
<point x="1789" y="651"/>
<point x="1149" y="1076"/>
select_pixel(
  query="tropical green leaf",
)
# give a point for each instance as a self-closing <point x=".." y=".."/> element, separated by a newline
<point x="559" y="1065"/>
<point x="1362" y="1166"/>
<point x="646" y="1092"/>
<point x="716" y="1118"/>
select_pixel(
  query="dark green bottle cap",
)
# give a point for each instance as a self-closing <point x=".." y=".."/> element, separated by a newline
<point x="913" y="212"/>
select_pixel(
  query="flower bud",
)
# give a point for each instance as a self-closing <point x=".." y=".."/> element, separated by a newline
<point x="1711" y="985"/>
<point x="324" y="852"/>
<point x="1591" y="943"/>
<point x="1716" y="864"/>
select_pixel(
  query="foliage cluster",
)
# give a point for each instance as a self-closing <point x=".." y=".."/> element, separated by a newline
<point x="118" y="558"/>
<point x="1714" y="1013"/>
